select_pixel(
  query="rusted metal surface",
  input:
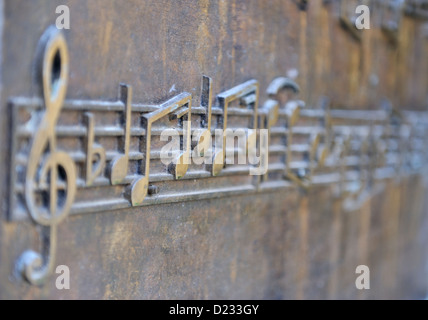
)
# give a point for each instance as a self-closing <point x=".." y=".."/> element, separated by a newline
<point x="346" y="179"/>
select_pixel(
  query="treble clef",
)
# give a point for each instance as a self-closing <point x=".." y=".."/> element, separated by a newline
<point x="50" y="184"/>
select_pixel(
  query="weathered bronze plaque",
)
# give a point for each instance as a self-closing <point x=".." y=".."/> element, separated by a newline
<point x="252" y="150"/>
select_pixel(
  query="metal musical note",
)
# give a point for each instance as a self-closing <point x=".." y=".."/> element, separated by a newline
<point x="49" y="170"/>
<point x="268" y="115"/>
<point x="320" y="143"/>
<point x="94" y="152"/>
<point x="119" y="165"/>
<point x="178" y="107"/>
<point x="203" y="135"/>
<point x="249" y="90"/>
<point x="292" y="111"/>
<point x="292" y="114"/>
<point x="275" y="89"/>
<point x="182" y="111"/>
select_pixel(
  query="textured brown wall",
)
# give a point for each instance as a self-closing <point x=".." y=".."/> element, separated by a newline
<point x="278" y="245"/>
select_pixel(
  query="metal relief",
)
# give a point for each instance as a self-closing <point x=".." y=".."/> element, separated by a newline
<point x="73" y="156"/>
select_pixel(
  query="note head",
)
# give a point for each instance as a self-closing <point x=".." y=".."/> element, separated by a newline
<point x="118" y="170"/>
<point x="97" y="165"/>
<point x="218" y="163"/>
<point x="138" y="190"/>
<point x="180" y="166"/>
